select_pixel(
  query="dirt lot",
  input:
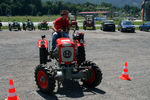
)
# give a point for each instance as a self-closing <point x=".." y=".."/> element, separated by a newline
<point x="110" y="50"/>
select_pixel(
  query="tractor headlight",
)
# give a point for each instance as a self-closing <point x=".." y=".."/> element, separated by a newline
<point x="67" y="54"/>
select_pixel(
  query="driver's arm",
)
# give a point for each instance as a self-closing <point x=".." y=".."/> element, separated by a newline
<point x="54" y="28"/>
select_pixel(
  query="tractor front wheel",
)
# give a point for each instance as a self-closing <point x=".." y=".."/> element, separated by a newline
<point x="44" y="79"/>
<point x="96" y="75"/>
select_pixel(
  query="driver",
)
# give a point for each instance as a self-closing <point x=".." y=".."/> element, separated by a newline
<point x="28" y="21"/>
<point x="60" y="27"/>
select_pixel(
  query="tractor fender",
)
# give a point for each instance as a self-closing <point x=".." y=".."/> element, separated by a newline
<point x="80" y="44"/>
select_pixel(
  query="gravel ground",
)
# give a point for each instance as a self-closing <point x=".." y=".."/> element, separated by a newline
<point x="110" y="50"/>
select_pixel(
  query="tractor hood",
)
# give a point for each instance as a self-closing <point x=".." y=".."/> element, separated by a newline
<point x="65" y="42"/>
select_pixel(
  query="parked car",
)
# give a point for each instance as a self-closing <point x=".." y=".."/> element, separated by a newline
<point x="145" y="26"/>
<point x="99" y="19"/>
<point x="108" y="26"/>
<point x="126" y="26"/>
<point x="131" y="18"/>
<point x="116" y="18"/>
<point x="14" y="25"/>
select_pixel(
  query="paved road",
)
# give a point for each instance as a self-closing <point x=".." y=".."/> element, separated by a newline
<point x="19" y="56"/>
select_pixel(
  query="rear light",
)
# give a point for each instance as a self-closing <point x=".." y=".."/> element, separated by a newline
<point x="42" y="43"/>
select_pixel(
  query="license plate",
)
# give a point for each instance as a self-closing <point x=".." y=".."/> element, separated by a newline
<point x="128" y="29"/>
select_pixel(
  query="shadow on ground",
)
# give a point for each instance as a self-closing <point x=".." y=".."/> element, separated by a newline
<point x="71" y="89"/>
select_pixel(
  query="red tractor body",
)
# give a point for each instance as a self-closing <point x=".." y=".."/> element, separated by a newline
<point x="89" y="22"/>
<point x="66" y="46"/>
<point x="66" y="62"/>
<point x="74" y="23"/>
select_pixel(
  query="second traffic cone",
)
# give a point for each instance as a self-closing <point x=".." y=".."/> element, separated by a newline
<point x="125" y="75"/>
<point x="11" y="92"/>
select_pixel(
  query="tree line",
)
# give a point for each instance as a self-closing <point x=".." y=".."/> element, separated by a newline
<point x="38" y="8"/>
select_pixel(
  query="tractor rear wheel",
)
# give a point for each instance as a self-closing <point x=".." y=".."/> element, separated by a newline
<point x="81" y="54"/>
<point x="43" y="55"/>
<point x="84" y="26"/>
<point x="10" y="28"/>
<point x="96" y="75"/>
<point x="77" y="27"/>
<point x="45" y="79"/>
<point x="19" y="28"/>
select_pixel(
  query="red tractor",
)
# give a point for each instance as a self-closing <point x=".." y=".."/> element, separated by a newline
<point x="89" y="22"/>
<point x="73" y="22"/>
<point x="66" y="62"/>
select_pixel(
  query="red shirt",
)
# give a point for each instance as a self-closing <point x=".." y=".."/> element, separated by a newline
<point x="60" y="23"/>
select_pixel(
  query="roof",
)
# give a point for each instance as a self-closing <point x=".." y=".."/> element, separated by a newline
<point x="96" y="12"/>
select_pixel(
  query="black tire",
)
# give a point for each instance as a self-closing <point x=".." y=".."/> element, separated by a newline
<point x="103" y="29"/>
<point x="39" y="28"/>
<point x="81" y="55"/>
<point x="140" y="29"/>
<point x="19" y="28"/>
<point x="113" y="30"/>
<point x="147" y="30"/>
<point x="44" y="78"/>
<point x="84" y="27"/>
<point x="10" y="29"/>
<point x="32" y="28"/>
<point x="96" y="78"/>
<point x="24" y="28"/>
<point x="77" y="27"/>
<point x="43" y="54"/>
<point x="121" y="30"/>
<point x="133" y="31"/>
<point x="0" y="25"/>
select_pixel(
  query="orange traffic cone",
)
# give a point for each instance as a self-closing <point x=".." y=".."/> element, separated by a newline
<point x="125" y="75"/>
<point x="11" y="92"/>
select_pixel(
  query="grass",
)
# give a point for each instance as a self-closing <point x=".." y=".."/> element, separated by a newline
<point x="4" y="27"/>
<point x="48" y="18"/>
<point x="32" y="18"/>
